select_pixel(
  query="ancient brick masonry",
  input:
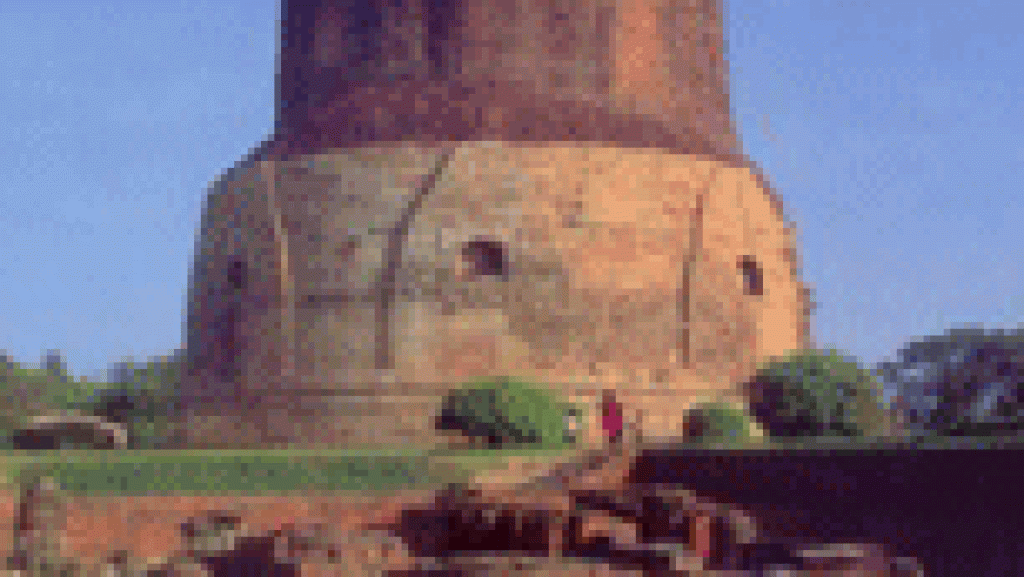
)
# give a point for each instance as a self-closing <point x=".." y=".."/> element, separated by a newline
<point x="591" y="511"/>
<point x="38" y="515"/>
<point x="551" y="191"/>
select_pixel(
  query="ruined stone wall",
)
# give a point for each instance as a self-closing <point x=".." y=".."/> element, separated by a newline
<point x="596" y="286"/>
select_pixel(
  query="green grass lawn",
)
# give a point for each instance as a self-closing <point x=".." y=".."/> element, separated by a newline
<point x="296" y="470"/>
<point x="251" y="471"/>
<point x="145" y="471"/>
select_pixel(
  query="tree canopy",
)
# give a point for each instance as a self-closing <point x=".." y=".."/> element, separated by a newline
<point x="818" y="393"/>
<point x="965" y="381"/>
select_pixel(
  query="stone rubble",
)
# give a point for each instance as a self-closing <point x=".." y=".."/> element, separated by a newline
<point x="48" y="432"/>
<point x="582" y="517"/>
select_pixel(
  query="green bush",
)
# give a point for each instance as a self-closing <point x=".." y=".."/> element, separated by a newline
<point x="817" y="394"/>
<point x="504" y="413"/>
<point x="723" y="422"/>
<point x="470" y="412"/>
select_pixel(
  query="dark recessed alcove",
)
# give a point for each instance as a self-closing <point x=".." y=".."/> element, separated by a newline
<point x="229" y="318"/>
<point x="486" y="258"/>
<point x="238" y="274"/>
<point x="753" y="279"/>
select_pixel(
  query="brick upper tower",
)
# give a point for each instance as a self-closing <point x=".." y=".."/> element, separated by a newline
<point x="635" y="72"/>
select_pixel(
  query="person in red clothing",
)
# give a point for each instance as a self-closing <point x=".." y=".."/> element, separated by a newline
<point x="611" y="417"/>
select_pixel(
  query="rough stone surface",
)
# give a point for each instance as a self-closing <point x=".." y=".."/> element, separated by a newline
<point x="648" y="72"/>
<point x="533" y="528"/>
<point x="502" y="529"/>
<point x="561" y="514"/>
<point x="608" y="304"/>
<point x="220" y="544"/>
<point x="52" y="431"/>
<point x="581" y="223"/>
<point x="37" y="524"/>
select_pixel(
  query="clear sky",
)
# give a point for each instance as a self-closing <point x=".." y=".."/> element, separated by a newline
<point x="891" y="129"/>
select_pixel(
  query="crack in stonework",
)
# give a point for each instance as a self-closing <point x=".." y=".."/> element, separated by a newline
<point x="393" y="254"/>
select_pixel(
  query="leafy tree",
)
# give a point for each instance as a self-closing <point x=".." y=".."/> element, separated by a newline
<point x="144" y="396"/>
<point x="54" y="373"/>
<point x="123" y="404"/>
<point x="160" y="378"/>
<point x="27" y="391"/>
<point x="10" y="382"/>
<point x="817" y="393"/>
<point x="967" y="381"/>
<point x="53" y="363"/>
<point x="31" y="391"/>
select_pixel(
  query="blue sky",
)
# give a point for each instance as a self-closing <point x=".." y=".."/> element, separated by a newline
<point x="892" y="131"/>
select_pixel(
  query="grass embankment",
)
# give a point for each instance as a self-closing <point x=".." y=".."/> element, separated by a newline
<point x="142" y="472"/>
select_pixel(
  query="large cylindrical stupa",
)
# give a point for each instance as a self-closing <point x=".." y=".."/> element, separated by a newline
<point x="551" y="190"/>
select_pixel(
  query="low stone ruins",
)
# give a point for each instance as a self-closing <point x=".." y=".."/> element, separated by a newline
<point x="49" y="432"/>
<point x="590" y="512"/>
<point x="584" y="516"/>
